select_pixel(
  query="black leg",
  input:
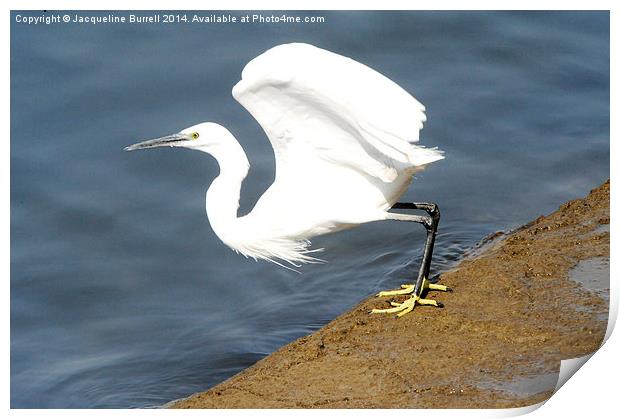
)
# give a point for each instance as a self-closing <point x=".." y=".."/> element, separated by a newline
<point x="430" y="222"/>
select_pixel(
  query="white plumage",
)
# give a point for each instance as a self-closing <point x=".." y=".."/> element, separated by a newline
<point x="344" y="142"/>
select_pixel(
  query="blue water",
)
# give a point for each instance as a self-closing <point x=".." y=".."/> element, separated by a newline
<point x="122" y="296"/>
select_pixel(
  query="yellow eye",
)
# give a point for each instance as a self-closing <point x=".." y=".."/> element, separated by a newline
<point x="195" y="135"/>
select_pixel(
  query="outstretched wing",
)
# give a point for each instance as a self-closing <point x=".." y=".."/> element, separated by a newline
<point x="315" y="104"/>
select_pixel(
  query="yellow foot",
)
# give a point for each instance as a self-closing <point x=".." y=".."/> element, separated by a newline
<point x="406" y="306"/>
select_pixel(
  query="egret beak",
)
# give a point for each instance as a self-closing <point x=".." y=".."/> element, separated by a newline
<point x="167" y="141"/>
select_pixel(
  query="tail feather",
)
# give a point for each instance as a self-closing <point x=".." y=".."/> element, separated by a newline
<point x="279" y="251"/>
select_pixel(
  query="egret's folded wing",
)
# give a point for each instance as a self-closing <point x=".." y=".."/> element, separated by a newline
<point x="313" y="104"/>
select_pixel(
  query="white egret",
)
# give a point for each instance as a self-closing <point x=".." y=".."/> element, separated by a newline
<point x="344" y="139"/>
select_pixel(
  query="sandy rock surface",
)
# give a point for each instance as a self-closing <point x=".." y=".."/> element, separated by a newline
<point x="513" y="315"/>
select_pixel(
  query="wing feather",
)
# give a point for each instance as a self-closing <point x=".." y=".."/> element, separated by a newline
<point x="313" y="103"/>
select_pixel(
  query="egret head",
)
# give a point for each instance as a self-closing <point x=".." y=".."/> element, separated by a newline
<point x="205" y="137"/>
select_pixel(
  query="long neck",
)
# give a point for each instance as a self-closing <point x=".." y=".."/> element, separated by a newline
<point x="223" y="195"/>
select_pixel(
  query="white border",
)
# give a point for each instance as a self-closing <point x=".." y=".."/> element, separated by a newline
<point x="591" y="393"/>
